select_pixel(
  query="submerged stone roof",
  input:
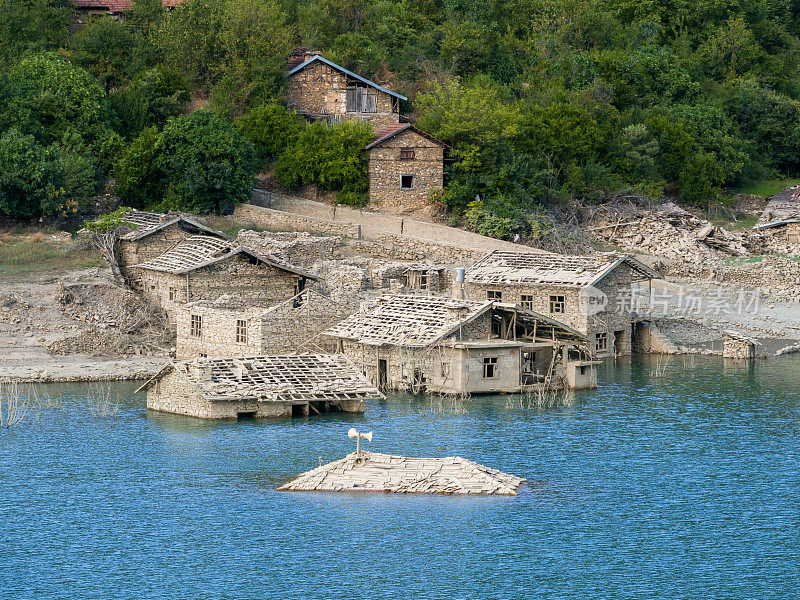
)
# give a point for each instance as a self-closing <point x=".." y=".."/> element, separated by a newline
<point x="198" y="251"/>
<point x="403" y="320"/>
<point x="507" y="267"/>
<point x="285" y="378"/>
<point x="374" y="472"/>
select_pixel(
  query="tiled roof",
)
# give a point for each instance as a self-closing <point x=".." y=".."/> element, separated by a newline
<point x="389" y="131"/>
<point x="341" y="69"/>
<point x="505" y="267"/>
<point x="116" y="6"/>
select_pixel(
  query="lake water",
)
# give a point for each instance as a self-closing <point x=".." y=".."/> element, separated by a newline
<point x="672" y="480"/>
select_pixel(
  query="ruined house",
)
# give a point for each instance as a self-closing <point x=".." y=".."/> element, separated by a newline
<point x="221" y="329"/>
<point x="426" y="279"/>
<point x="595" y="295"/>
<point x="319" y="89"/>
<point x="203" y="267"/>
<point x="441" y="345"/>
<point x="259" y="386"/>
<point x="405" y="165"/>
<point x="781" y="217"/>
<point x="151" y="234"/>
<point x="736" y="344"/>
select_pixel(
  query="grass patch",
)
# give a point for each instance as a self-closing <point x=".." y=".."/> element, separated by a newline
<point x="743" y="260"/>
<point x="767" y="187"/>
<point x="28" y="257"/>
<point x="743" y="222"/>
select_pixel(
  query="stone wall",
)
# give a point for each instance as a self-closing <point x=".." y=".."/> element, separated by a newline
<point x="375" y="224"/>
<point x="733" y="347"/>
<point x="321" y="90"/>
<point x="296" y="248"/>
<point x="247" y="283"/>
<point x="387" y="168"/>
<point x="651" y="340"/>
<point x="276" y="219"/>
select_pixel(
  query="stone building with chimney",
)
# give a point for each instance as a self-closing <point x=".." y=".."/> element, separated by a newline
<point x="319" y="89"/>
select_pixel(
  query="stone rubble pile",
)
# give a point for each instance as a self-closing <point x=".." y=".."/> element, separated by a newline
<point x="673" y="233"/>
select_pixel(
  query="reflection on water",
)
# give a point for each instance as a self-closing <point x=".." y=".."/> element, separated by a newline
<point x="676" y="478"/>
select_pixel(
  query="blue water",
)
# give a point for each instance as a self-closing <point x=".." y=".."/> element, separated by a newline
<point x="676" y="482"/>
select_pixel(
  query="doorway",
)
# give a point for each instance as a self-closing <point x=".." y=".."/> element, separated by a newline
<point x="619" y="340"/>
<point x="383" y="374"/>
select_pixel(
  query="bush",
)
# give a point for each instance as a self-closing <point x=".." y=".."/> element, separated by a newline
<point x="271" y="127"/>
<point x="137" y="180"/>
<point x="331" y="157"/>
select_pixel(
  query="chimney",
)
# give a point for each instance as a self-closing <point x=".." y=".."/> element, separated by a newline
<point x="458" y="283"/>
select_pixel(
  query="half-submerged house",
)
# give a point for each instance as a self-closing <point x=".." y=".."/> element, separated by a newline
<point x="319" y="89"/>
<point x="151" y="234"/>
<point x="594" y="295"/>
<point x="260" y="386"/>
<point x="405" y="165"/>
<point x="222" y="328"/>
<point x="203" y="267"/>
<point x="442" y="345"/>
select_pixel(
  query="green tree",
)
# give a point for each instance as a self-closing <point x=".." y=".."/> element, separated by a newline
<point x="109" y="51"/>
<point x="205" y="165"/>
<point x="32" y="25"/>
<point x="138" y="182"/>
<point x="271" y="127"/>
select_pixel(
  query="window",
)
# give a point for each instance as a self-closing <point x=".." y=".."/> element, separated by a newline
<point x="526" y="302"/>
<point x="241" y="331"/>
<point x="196" y="325"/>
<point x="172" y="294"/>
<point x="406" y="154"/>
<point x="601" y="342"/>
<point x="557" y="304"/>
<point x="361" y="100"/>
<point x="423" y="281"/>
<point x="406" y="182"/>
<point x="489" y="367"/>
<point x="494" y="295"/>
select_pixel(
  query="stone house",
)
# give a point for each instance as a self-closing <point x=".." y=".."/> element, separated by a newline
<point x="96" y="8"/>
<point x="441" y="345"/>
<point x="735" y="344"/>
<point x="320" y="89"/>
<point x="203" y="267"/>
<point x="405" y="165"/>
<point x="595" y="295"/>
<point x="152" y="234"/>
<point x="292" y="326"/>
<point x="259" y="386"/>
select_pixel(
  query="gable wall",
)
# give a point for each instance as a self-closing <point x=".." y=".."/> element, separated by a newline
<point x="386" y="168"/>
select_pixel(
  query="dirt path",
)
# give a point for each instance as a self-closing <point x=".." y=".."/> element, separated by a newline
<point x="31" y="319"/>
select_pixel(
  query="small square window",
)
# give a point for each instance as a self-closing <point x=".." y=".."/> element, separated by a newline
<point x="241" y="331"/>
<point x="196" y="326"/>
<point x="489" y="367"/>
<point x="494" y="295"/>
<point x="557" y="304"/>
<point x="406" y="153"/>
<point x="601" y="342"/>
<point x="526" y="302"/>
<point x="406" y="182"/>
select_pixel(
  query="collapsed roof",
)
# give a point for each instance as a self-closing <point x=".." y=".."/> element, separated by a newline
<point x="198" y="251"/>
<point x="286" y="378"/>
<point x="783" y="208"/>
<point x="505" y="267"/>
<point x="147" y="223"/>
<point x="374" y="472"/>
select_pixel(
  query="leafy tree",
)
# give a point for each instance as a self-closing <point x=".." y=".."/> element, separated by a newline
<point x="50" y="98"/>
<point x="109" y="51"/>
<point x="138" y="182"/>
<point x="31" y="25"/>
<point x="149" y="100"/>
<point x="330" y="157"/>
<point x="271" y="127"/>
<point x="37" y="180"/>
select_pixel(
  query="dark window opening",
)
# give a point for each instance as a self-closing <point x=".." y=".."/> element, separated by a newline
<point x="526" y="302"/>
<point x="489" y="367"/>
<point x="601" y="342"/>
<point x="245" y="415"/>
<point x="494" y="295"/>
<point x="557" y="304"/>
<point x="406" y="182"/>
<point x="299" y="410"/>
